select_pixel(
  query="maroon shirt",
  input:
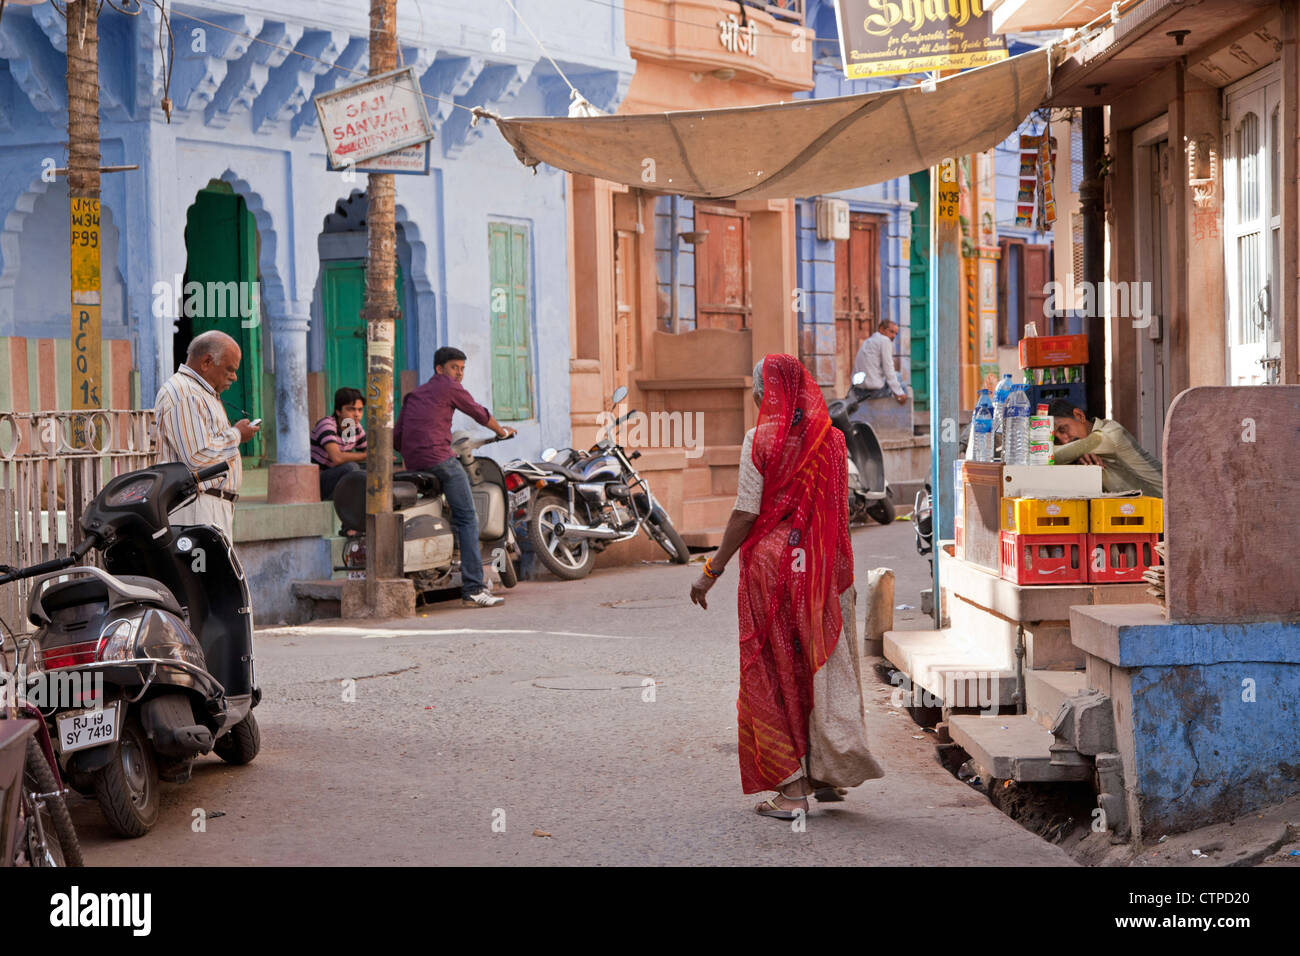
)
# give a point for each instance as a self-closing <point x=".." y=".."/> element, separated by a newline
<point x="423" y="431"/>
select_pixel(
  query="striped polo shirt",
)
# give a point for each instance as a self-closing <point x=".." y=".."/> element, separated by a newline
<point x="193" y="428"/>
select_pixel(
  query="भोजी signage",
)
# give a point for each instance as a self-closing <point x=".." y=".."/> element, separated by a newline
<point x="888" y="37"/>
<point x="379" y="115"/>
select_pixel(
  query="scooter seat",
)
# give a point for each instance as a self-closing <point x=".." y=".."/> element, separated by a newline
<point x="426" y="481"/>
<point x="66" y="594"/>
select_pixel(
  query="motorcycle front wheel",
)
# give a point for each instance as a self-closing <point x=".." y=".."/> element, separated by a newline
<point x="568" y="559"/>
<point x="882" y="511"/>
<point x="662" y="532"/>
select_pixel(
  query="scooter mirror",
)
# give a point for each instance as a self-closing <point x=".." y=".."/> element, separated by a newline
<point x="620" y="393"/>
<point x="549" y="454"/>
<point x="859" y="378"/>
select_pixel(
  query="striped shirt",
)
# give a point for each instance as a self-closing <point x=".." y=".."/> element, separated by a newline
<point x="193" y="428"/>
<point x="326" y="432"/>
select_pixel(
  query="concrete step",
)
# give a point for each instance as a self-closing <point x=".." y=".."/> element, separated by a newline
<point x="948" y="667"/>
<point x="721" y="455"/>
<point x="705" y="538"/>
<point x="1046" y="691"/>
<point x="1012" y="748"/>
<point x="706" y="511"/>
<point x="318" y="599"/>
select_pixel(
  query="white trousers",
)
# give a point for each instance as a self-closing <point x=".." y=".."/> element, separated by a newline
<point x="208" y="509"/>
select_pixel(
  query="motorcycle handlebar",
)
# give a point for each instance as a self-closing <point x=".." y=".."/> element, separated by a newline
<point x="58" y="564"/>
<point x="212" y="471"/>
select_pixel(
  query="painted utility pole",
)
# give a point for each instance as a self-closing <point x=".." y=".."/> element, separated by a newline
<point x="380" y="313"/>
<point x="83" y="200"/>
<point x="946" y="272"/>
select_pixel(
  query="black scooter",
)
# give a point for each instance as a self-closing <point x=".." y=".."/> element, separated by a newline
<point x="869" y="493"/>
<point x="159" y="643"/>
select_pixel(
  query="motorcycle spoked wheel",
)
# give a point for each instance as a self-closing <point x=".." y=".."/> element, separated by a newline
<point x="566" y="560"/>
<point x="60" y="846"/>
<point x="127" y="789"/>
<point x="662" y="532"/>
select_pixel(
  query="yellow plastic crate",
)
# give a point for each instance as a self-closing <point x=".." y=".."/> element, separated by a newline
<point x="1136" y="515"/>
<point x="1045" y="515"/>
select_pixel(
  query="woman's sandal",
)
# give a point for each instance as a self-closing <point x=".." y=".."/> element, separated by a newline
<point x="768" y="808"/>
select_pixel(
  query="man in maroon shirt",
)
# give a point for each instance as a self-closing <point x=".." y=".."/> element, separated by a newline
<point x="423" y="436"/>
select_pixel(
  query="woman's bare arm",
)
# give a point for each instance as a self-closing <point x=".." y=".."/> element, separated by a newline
<point x="733" y="536"/>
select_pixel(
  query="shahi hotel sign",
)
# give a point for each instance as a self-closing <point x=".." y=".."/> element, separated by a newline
<point x="888" y="37"/>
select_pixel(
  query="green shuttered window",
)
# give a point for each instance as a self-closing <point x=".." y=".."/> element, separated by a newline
<point x="511" y="310"/>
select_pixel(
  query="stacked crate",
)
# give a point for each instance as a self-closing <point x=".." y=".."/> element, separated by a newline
<point x="1122" y="538"/>
<point x="1044" y="540"/>
<point x="1054" y="368"/>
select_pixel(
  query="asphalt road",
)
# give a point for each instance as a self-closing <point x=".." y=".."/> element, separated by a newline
<point x="526" y="734"/>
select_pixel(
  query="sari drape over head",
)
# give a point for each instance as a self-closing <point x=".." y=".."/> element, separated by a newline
<point x="794" y="565"/>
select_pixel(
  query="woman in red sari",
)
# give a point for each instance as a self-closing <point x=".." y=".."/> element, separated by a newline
<point x="800" y="709"/>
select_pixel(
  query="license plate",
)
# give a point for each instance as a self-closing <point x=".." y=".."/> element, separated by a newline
<point x="79" y="729"/>
<point x="519" y="498"/>
<point x="356" y="575"/>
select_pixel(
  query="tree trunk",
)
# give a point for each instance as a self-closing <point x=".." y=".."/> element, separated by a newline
<point x="380" y="313"/>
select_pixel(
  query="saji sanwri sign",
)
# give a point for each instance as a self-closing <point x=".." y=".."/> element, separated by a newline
<point x="888" y="37"/>
<point x="379" y="115"/>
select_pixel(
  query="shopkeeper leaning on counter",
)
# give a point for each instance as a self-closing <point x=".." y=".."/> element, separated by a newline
<point x="1125" y="464"/>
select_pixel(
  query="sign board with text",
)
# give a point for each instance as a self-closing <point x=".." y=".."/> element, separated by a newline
<point x="381" y="114"/>
<point x="890" y="37"/>
<point x="410" y="160"/>
<point x="83" y="233"/>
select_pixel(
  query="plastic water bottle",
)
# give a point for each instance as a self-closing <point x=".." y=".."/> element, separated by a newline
<point x="1040" y="437"/>
<point x="1015" y="438"/>
<point x="981" y="429"/>
<point x="1000" y="402"/>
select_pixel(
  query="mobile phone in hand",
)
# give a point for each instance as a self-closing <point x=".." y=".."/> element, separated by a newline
<point x="255" y="423"/>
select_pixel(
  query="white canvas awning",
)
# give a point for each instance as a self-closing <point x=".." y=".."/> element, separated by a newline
<point x="802" y="148"/>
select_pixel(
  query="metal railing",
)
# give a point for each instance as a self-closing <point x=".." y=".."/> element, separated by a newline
<point x="51" y="465"/>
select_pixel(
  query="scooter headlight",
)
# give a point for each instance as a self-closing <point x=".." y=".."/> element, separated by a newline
<point x="117" y="641"/>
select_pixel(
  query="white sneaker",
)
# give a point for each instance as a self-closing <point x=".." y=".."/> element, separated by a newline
<point x="483" y="598"/>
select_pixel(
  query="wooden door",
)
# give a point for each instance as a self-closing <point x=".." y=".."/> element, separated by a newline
<point x="1036" y="272"/>
<point x="343" y="292"/>
<point x="625" y="296"/>
<point x="511" y="307"/>
<point x="857" y="293"/>
<point x="722" y="297"/>
<point x="221" y="254"/>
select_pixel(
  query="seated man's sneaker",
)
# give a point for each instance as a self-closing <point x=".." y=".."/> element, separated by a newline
<point x="482" y="599"/>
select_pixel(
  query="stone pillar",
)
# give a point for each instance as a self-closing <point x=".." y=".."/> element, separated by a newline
<point x="293" y="478"/>
<point x="289" y="338"/>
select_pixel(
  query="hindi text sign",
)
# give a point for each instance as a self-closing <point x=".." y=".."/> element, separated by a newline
<point x="379" y="115"/>
<point x="889" y="37"/>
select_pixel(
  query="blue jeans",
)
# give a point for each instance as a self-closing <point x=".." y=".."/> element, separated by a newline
<point x="464" y="519"/>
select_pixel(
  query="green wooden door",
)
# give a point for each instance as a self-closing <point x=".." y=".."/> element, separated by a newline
<point x="343" y="292"/>
<point x="919" y="289"/>
<point x="512" y="371"/>
<point x="221" y="255"/>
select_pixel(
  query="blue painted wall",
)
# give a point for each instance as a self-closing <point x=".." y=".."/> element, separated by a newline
<point x="243" y="114"/>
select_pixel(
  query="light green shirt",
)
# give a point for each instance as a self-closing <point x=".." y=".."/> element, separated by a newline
<point x="1127" y="466"/>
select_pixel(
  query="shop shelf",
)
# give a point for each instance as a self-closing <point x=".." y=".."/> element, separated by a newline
<point x="1044" y="558"/>
<point x="1119" y="558"/>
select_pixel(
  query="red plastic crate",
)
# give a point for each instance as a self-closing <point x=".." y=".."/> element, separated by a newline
<point x="1044" y="558"/>
<point x="1118" y="558"/>
<point x="1045" y="351"/>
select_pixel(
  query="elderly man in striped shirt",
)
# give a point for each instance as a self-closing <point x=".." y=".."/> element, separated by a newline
<point x="193" y="427"/>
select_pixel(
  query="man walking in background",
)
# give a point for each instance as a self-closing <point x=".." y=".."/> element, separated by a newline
<point x="193" y="428"/>
<point x="423" y="436"/>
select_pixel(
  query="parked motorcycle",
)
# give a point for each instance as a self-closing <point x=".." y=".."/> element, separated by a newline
<point x="576" y="504"/>
<point x="922" y="524"/>
<point x="869" y="494"/>
<point x="168" y="625"/>
<point x="430" y="556"/>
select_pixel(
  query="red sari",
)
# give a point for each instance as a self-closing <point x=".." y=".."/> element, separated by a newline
<point x="794" y="565"/>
